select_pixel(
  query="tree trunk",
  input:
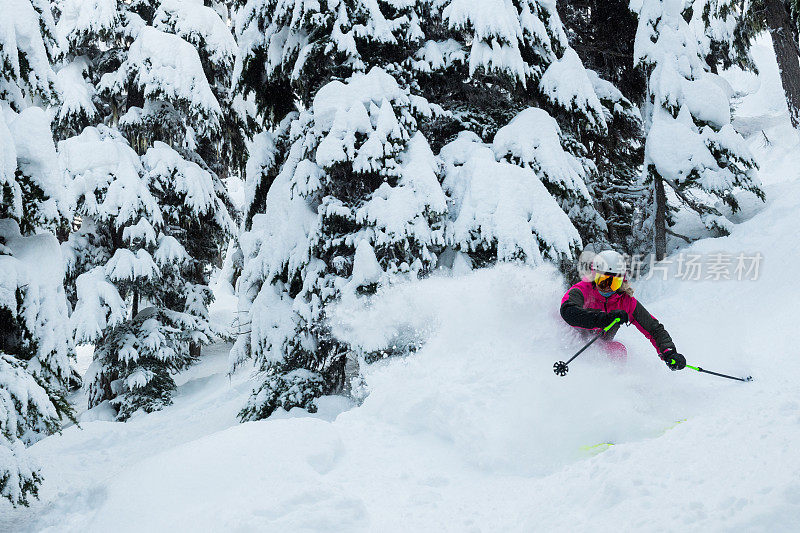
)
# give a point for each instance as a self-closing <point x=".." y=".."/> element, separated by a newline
<point x="194" y="349"/>
<point x="786" y="51"/>
<point x="135" y="304"/>
<point x="660" y="230"/>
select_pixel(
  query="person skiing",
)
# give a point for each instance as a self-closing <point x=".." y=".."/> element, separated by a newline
<point x="594" y="304"/>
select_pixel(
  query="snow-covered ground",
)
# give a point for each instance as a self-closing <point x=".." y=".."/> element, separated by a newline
<point x="474" y="432"/>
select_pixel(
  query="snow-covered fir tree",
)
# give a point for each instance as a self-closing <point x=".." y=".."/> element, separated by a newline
<point x="34" y="351"/>
<point x="485" y="62"/>
<point x="34" y="343"/>
<point x="722" y="35"/>
<point x="452" y="53"/>
<point x="135" y="261"/>
<point x="500" y="211"/>
<point x="152" y="227"/>
<point x="203" y="28"/>
<point x="93" y="34"/>
<point x="163" y="72"/>
<point x="349" y="170"/>
<point x="113" y="269"/>
<point x="693" y="156"/>
<point x="290" y="49"/>
<point x="118" y="50"/>
<point x="34" y="203"/>
<point x="356" y="203"/>
<point x="31" y="187"/>
<point x="180" y="110"/>
<point x="615" y="188"/>
<point x="602" y="33"/>
<point x="27" y="55"/>
<point x="26" y="406"/>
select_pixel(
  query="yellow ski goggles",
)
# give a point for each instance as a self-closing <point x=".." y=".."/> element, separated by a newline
<point x="608" y="282"/>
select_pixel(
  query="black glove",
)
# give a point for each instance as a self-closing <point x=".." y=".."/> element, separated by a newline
<point x="674" y="360"/>
<point x="608" y="318"/>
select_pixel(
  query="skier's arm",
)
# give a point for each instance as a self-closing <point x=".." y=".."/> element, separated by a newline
<point x="575" y="315"/>
<point x="652" y="329"/>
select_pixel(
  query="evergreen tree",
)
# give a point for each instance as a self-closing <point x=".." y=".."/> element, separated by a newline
<point x="450" y="53"/>
<point x="34" y="345"/>
<point x="92" y="37"/>
<point x="32" y="192"/>
<point x="615" y="187"/>
<point x="97" y="36"/>
<point x="720" y="29"/>
<point x="691" y="148"/>
<point x="355" y="204"/>
<point x="103" y="35"/>
<point x="177" y="105"/>
<point x="515" y="64"/>
<point x="202" y="27"/>
<point x="28" y="51"/>
<point x="139" y="247"/>
<point x="500" y="210"/>
<point x="290" y="49"/>
<point x="602" y="33"/>
<point x="152" y="242"/>
<point x="112" y="266"/>
<point x="484" y="63"/>
<point x="329" y="172"/>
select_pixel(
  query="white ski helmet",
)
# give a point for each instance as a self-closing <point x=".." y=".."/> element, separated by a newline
<point x="610" y="262"/>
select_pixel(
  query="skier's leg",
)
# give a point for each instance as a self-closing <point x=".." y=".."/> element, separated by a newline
<point x="616" y="351"/>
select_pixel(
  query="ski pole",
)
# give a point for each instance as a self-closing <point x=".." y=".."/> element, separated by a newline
<point x="748" y="378"/>
<point x="561" y="368"/>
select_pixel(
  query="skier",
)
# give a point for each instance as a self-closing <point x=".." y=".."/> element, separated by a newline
<point x="593" y="305"/>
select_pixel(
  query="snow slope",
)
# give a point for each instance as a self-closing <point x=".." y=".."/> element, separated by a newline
<point x="474" y="432"/>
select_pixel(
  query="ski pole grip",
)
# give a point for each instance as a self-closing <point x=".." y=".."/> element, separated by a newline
<point x="613" y="323"/>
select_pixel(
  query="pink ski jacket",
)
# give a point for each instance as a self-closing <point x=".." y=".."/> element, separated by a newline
<point x="584" y="307"/>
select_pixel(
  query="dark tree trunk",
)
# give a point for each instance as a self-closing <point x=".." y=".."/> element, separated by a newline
<point x="100" y="388"/>
<point x="194" y="349"/>
<point x="660" y="230"/>
<point x="135" y="97"/>
<point x="135" y="304"/>
<point x="786" y="51"/>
